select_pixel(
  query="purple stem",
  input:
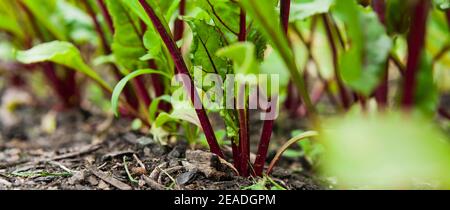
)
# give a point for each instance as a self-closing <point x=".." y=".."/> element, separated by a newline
<point x="263" y="147"/>
<point x="244" y="144"/>
<point x="381" y="93"/>
<point x="268" y="124"/>
<point x="97" y="26"/>
<point x="158" y="86"/>
<point x="61" y="88"/>
<point x="416" y="43"/>
<point x="380" y="8"/>
<point x="285" y="10"/>
<point x="342" y="90"/>
<point x="128" y="92"/>
<point x="142" y="91"/>
<point x="156" y="79"/>
<point x="236" y="154"/>
<point x="242" y="26"/>
<point x="106" y="15"/>
<point x="179" y="24"/>
<point x="243" y="152"/>
<point x="448" y="17"/>
<point x="182" y="69"/>
<point x="292" y="101"/>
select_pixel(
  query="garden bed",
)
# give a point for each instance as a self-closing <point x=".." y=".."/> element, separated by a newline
<point x="87" y="152"/>
<point x="224" y="94"/>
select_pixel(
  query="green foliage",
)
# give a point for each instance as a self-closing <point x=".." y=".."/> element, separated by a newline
<point x="142" y="45"/>
<point x="359" y="151"/>
<point x="303" y="9"/>
<point x="311" y="150"/>
<point x="121" y="85"/>
<point x="398" y="15"/>
<point x="442" y="4"/>
<point x="363" y="65"/>
<point x="41" y="9"/>
<point x="265" y="183"/>
<point x="224" y="14"/>
<point x="63" y="53"/>
<point x="11" y="25"/>
<point x="427" y="95"/>
<point x="127" y="46"/>
<point x="385" y="151"/>
<point x="154" y="106"/>
<point x="137" y="9"/>
<point x="207" y="41"/>
<point x="263" y="13"/>
<point x="243" y="56"/>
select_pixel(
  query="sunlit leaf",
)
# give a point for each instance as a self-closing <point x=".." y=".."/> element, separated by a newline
<point x="207" y="41"/>
<point x="303" y="9"/>
<point x="243" y="56"/>
<point x="127" y="46"/>
<point x="362" y="66"/>
<point x="63" y="53"/>
<point x="121" y="85"/>
<point x="45" y="12"/>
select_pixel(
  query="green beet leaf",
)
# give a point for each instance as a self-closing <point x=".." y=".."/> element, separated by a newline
<point x="362" y="65"/>
<point x="207" y="41"/>
<point x="303" y="9"/>
<point x="63" y="53"/>
<point x="121" y="85"/>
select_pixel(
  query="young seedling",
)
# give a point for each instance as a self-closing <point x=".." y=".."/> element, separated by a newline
<point x="347" y="49"/>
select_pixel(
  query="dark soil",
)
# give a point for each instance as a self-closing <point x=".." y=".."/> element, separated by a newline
<point x="88" y="151"/>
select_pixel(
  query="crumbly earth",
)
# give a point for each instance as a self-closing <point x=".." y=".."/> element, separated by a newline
<point x="86" y="151"/>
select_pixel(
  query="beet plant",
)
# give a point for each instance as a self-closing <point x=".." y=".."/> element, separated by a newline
<point x="316" y="57"/>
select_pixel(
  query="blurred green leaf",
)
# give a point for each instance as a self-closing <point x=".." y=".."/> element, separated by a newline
<point x="385" y="151"/>
<point x="303" y="9"/>
<point x="10" y="24"/>
<point x="122" y="83"/>
<point x="220" y="136"/>
<point x="263" y="13"/>
<point x="442" y="4"/>
<point x="45" y="12"/>
<point x="426" y="95"/>
<point x="63" y="53"/>
<point x="136" y="124"/>
<point x="362" y="66"/>
<point x="6" y="51"/>
<point x="398" y="16"/>
<point x="78" y="25"/>
<point x="243" y="56"/>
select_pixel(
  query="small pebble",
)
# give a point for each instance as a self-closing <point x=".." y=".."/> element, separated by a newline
<point x="92" y="180"/>
<point x="186" y="177"/>
<point x="102" y="185"/>
<point x="138" y="171"/>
